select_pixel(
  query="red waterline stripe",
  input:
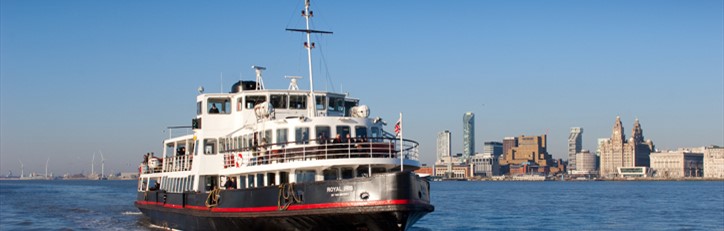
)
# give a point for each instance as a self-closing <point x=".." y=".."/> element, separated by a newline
<point x="291" y="207"/>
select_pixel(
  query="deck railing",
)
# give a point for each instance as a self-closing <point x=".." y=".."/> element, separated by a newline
<point x="314" y="150"/>
<point x="169" y="164"/>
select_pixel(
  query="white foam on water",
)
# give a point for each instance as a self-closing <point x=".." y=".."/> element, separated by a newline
<point x="161" y="227"/>
<point x="131" y="213"/>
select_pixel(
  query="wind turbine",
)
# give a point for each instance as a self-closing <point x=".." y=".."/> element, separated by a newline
<point x="103" y="165"/>
<point x="22" y="169"/>
<point x="46" y="168"/>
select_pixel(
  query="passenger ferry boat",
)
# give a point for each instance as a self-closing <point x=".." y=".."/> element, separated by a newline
<point x="261" y="159"/>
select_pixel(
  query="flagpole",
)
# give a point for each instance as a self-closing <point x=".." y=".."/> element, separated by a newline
<point x="401" y="147"/>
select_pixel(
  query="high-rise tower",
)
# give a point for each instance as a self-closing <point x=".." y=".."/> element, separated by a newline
<point x="575" y="142"/>
<point x="468" y="135"/>
<point x="443" y="144"/>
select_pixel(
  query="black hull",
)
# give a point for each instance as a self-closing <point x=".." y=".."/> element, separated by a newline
<point x="392" y="201"/>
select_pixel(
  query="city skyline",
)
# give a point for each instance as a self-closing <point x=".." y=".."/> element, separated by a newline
<point x="82" y="76"/>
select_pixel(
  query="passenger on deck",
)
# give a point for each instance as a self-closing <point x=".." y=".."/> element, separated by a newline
<point x="321" y="138"/>
<point x="213" y="109"/>
<point x="337" y="139"/>
<point x="230" y="183"/>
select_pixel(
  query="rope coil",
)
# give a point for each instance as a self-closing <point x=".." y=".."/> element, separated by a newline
<point x="213" y="199"/>
<point x="287" y="196"/>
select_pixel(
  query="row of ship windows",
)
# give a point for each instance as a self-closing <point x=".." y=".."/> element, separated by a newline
<point x="301" y="136"/>
<point x="223" y="105"/>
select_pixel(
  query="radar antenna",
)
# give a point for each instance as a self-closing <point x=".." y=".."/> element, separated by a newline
<point x="259" y="79"/>
<point x="306" y="13"/>
<point x="293" y="82"/>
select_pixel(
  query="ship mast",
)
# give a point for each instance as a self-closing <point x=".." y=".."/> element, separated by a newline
<point x="306" y="13"/>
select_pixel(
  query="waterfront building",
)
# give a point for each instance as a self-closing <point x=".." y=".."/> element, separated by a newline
<point x="443" y="144"/>
<point x="677" y="164"/>
<point x="619" y="152"/>
<point x="485" y="165"/>
<point x="575" y="143"/>
<point x="509" y="143"/>
<point x="585" y="164"/>
<point x="714" y="162"/>
<point x="529" y="149"/>
<point x="494" y="148"/>
<point x="468" y="135"/>
<point x="632" y="171"/>
<point x="458" y="171"/>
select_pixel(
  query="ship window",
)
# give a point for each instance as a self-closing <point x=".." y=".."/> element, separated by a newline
<point x="283" y="177"/>
<point x="336" y="104"/>
<point x="260" y="180"/>
<point x="267" y="136"/>
<point x="320" y="99"/>
<point x="347" y="173"/>
<point x="360" y="132"/>
<point x="322" y="134"/>
<point x="222" y="145"/>
<point x="251" y="181"/>
<point x="278" y="101"/>
<point x="219" y="106"/>
<point x="343" y="131"/>
<point x="209" y="146"/>
<point x="376" y="133"/>
<point x="271" y="179"/>
<point x="330" y="174"/>
<point x="198" y="108"/>
<point x="189" y="186"/>
<point x="298" y="102"/>
<point x="305" y="176"/>
<point x="253" y="100"/>
<point x="242" y="182"/>
<point x="196" y="152"/>
<point x="239" y="103"/>
<point x="301" y="135"/>
<point x="282" y="136"/>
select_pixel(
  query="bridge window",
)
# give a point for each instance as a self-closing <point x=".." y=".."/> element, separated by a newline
<point x="253" y="100"/>
<point x="219" y="106"/>
<point x="239" y="103"/>
<point x="336" y="104"/>
<point x="343" y="131"/>
<point x="360" y="132"/>
<point x="323" y="133"/>
<point x="198" y="108"/>
<point x="209" y="146"/>
<point x="321" y="102"/>
<point x="279" y="101"/>
<point x="297" y="102"/>
<point x="282" y="136"/>
<point x="301" y="135"/>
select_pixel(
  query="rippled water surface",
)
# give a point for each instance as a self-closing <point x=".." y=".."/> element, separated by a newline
<point x="699" y="205"/>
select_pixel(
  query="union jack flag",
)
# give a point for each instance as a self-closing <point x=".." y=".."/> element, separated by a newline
<point x="398" y="127"/>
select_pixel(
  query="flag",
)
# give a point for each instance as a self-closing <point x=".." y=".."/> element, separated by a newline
<point x="398" y="127"/>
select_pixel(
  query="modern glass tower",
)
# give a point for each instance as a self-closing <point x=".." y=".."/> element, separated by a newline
<point x="443" y="144"/>
<point x="575" y="143"/>
<point x="468" y="135"/>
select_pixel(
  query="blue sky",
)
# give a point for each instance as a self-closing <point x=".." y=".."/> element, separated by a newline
<point x="78" y="77"/>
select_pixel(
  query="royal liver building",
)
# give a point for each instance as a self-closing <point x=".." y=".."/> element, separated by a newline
<point x="618" y="152"/>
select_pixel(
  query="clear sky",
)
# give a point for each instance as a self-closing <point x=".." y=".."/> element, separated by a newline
<point x="80" y="77"/>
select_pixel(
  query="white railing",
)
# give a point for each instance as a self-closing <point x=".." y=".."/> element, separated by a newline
<point x="290" y="152"/>
<point x="169" y="164"/>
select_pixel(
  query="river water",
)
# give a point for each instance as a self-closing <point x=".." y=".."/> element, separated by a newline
<point x="599" y="205"/>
